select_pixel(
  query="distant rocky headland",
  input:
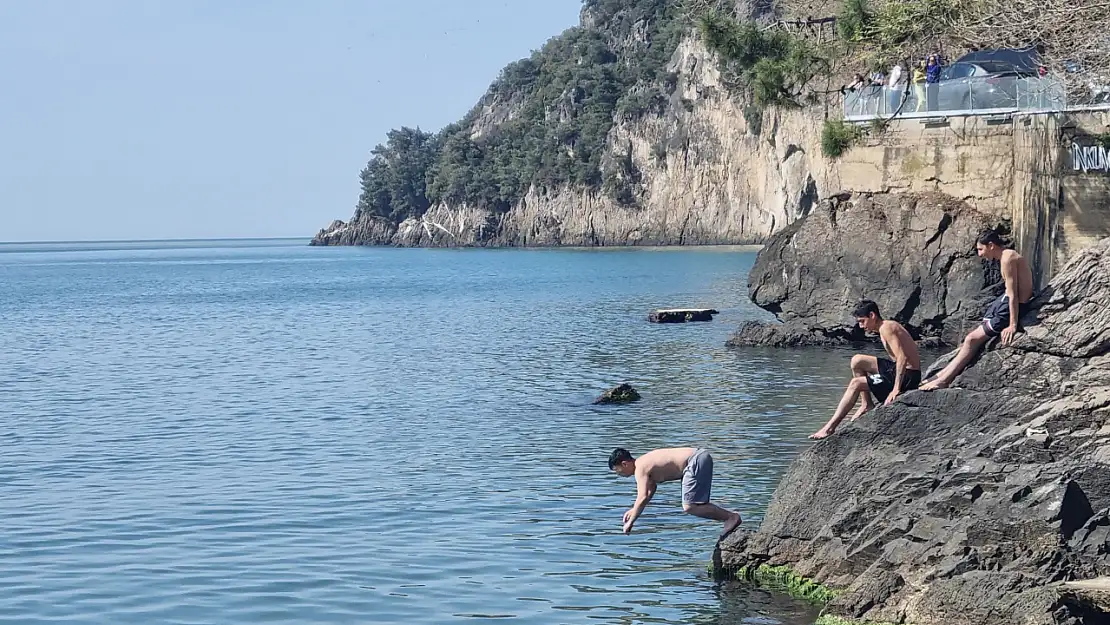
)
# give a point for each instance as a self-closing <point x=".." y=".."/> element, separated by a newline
<point x="623" y="130"/>
<point x="654" y="122"/>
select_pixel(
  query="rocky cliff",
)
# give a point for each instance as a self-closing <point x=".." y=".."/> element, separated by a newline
<point x="985" y="504"/>
<point x="693" y="167"/>
<point x="913" y="254"/>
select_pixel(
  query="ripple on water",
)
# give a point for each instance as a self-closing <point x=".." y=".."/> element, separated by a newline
<point x="291" y="434"/>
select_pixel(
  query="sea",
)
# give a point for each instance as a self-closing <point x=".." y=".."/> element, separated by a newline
<point x="260" y="431"/>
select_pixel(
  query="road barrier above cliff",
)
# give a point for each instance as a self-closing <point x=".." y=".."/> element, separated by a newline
<point x="968" y="96"/>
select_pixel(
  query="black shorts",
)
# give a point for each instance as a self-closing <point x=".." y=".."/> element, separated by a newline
<point x="997" y="316"/>
<point x="882" y="383"/>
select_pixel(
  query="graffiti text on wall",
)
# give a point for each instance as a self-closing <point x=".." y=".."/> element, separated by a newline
<point x="1088" y="158"/>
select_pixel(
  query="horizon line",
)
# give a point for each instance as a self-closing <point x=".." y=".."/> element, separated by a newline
<point x="163" y="240"/>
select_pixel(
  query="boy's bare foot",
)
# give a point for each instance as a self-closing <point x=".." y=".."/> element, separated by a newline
<point x="819" y="434"/>
<point x="731" y="524"/>
<point x="933" y="385"/>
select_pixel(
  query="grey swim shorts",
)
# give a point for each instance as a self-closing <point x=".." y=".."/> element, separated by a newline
<point x="697" y="479"/>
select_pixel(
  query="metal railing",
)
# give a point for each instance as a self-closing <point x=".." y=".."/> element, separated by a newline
<point x="965" y="96"/>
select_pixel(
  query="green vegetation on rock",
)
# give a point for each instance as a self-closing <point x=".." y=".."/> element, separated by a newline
<point x="543" y="123"/>
<point x="828" y="619"/>
<point x="784" y="579"/>
<point x="883" y="32"/>
<point x="771" y="65"/>
<point x="837" y="137"/>
<point x="893" y="24"/>
<point x="753" y="115"/>
<point x="853" y="20"/>
<point x="622" y="394"/>
<point x="393" y="181"/>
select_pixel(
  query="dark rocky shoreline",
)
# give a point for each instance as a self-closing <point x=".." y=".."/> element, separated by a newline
<point x="976" y="505"/>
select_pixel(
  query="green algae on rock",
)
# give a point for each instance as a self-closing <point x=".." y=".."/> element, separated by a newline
<point x="828" y="619"/>
<point x="785" y="579"/>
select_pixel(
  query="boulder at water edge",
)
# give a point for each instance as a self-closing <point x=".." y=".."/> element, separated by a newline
<point x="912" y="254"/>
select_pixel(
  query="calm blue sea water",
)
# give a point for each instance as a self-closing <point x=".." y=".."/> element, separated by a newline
<point x="264" y="432"/>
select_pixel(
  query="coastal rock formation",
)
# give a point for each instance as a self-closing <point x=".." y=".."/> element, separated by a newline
<point x="621" y="394"/>
<point x="705" y="173"/>
<point x="625" y="130"/>
<point x="976" y="505"/>
<point x="358" y="231"/>
<point x="914" y="254"/>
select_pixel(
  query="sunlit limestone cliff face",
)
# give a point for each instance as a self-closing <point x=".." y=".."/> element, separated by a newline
<point x="667" y="157"/>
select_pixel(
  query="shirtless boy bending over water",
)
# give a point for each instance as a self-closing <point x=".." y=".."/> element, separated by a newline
<point x="880" y="377"/>
<point x="693" y="465"/>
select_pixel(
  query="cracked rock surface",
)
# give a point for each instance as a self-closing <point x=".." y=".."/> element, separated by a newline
<point x="914" y="254"/>
<point x="977" y="505"/>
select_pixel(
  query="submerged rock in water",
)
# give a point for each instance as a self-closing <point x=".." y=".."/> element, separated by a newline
<point x="682" y="315"/>
<point x="622" y="394"/>
<point x="914" y="255"/>
<point x="970" y="505"/>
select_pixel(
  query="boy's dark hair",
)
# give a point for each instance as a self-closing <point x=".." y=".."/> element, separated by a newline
<point x="987" y="237"/>
<point x="618" y="456"/>
<point x="865" y="307"/>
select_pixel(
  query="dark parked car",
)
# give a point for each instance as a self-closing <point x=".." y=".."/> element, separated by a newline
<point x="980" y="85"/>
<point x="986" y="79"/>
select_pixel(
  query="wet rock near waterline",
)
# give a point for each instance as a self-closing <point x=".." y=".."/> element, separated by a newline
<point x="913" y="254"/>
<point x="737" y="542"/>
<point x="622" y="394"/>
<point x="971" y="505"/>
<point x="364" y="230"/>
<point x="760" y="334"/>
<point x="682" y="315"/>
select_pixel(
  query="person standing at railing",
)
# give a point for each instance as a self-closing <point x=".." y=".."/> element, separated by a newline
<point x="854" y="100"/>
<point x="894" y="83"/>
<point x="919" y="85"/>
<point x="894" y="87"/>
<point x="878" y="81"/>
<point x="932" y="80"/>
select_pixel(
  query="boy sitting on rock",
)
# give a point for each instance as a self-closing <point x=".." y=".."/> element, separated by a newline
<point x="881" y="377"/>
<point x="1003" y="315"/>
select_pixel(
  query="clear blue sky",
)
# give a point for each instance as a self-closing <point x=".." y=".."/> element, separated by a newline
<point x="125" y="119"/>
